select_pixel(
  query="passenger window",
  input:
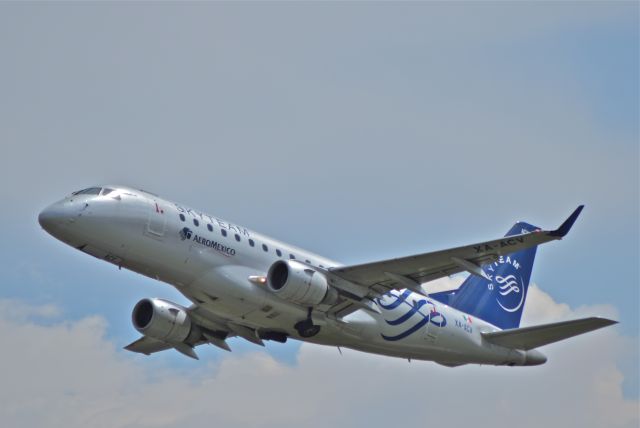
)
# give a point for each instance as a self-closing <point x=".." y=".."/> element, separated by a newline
<point x="106" y="191"/>
<point x="237" y="237"/>
<point x="182" y="217"/>
<point x="292" y="257"/>
<point x="264" y="247"/>
<point x="196" y="222"/>
<point x="210" y="227"/>
<point x="279" y="253"/>
<point x="224" y="232"/>
<point x="251" y="242"/>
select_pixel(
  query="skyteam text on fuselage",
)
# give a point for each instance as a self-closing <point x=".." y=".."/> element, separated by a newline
<point x="244" y="284"/>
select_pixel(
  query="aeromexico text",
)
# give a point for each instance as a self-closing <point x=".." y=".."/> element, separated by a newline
<point x="213" y="220"/>
<point x="227" y="251"/>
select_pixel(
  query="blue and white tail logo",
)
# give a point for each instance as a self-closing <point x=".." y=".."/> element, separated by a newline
<point x="508" y="286"/>
<point x="499" y="298"/>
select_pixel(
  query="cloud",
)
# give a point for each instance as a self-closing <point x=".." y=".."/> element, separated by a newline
<point x="444" y="284"/>
<point x="16" y="310"/>
<point x="69" y="375"/>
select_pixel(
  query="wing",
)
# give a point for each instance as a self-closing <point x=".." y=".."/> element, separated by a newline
<point x="360" y="283"/>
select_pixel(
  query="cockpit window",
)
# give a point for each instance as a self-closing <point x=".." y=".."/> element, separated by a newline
<point x="106" y="191"/>
<point x="89" y="191"/>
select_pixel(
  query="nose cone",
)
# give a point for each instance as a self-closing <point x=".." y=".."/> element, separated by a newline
<point x="535" y="358"/>
<point x="51" y="218"/>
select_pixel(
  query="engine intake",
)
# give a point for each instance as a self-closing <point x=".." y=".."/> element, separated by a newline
<point x="162" y="320"/>
<point x="297" y="283"/>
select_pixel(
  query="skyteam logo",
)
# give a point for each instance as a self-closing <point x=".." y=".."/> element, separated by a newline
<point x="410" y="317"/>
<point x="507" y="282"/>
<point x="185" y="233"/>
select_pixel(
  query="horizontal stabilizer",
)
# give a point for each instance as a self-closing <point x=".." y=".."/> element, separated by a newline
<point x="533" y="337"/>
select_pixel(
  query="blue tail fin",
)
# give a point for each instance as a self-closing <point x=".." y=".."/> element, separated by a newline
<point x="500" y="300"/>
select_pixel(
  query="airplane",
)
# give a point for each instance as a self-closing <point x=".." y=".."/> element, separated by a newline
<point x="247" y="285"/>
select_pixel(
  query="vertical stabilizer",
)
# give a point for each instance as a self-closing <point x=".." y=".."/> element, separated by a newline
<point x="499" y="299"/>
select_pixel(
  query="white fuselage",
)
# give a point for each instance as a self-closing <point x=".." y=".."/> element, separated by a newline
<point x="212" y="265"/>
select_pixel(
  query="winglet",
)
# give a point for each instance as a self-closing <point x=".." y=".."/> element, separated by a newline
<point x="568" y="223"/>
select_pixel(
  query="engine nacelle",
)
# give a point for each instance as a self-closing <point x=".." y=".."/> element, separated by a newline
<point x="162" y="320"/>
<point x="297" y="283"/>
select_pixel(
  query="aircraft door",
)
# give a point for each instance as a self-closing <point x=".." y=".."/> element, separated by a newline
<point x="431" y="333"/>
<point x="435" y="324"/>
<point x="157" y="221"/>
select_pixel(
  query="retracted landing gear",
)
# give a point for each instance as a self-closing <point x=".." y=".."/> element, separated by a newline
<point x="307" y="328"/>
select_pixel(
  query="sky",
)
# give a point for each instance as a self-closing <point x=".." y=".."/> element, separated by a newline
<point x="360" y="131"/>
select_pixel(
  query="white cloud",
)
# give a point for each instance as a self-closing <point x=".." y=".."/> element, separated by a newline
<point x="444" y="284"/>
<point x="69" y="375"/>
<point x="16" y="310"/>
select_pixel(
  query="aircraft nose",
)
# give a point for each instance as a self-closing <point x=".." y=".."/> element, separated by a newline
<point x="51" y="217"/>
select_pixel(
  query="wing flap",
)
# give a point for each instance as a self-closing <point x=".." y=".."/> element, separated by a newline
<point x="527" y="338"/>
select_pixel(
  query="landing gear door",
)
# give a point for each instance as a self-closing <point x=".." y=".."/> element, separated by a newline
<point x="157" y="221"/>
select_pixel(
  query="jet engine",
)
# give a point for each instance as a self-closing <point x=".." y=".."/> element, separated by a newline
<point x="163" y="320"/>
<point x="298" y="283"/>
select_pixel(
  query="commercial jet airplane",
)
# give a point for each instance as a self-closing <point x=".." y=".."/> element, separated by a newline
<point x="244" y="284"/>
